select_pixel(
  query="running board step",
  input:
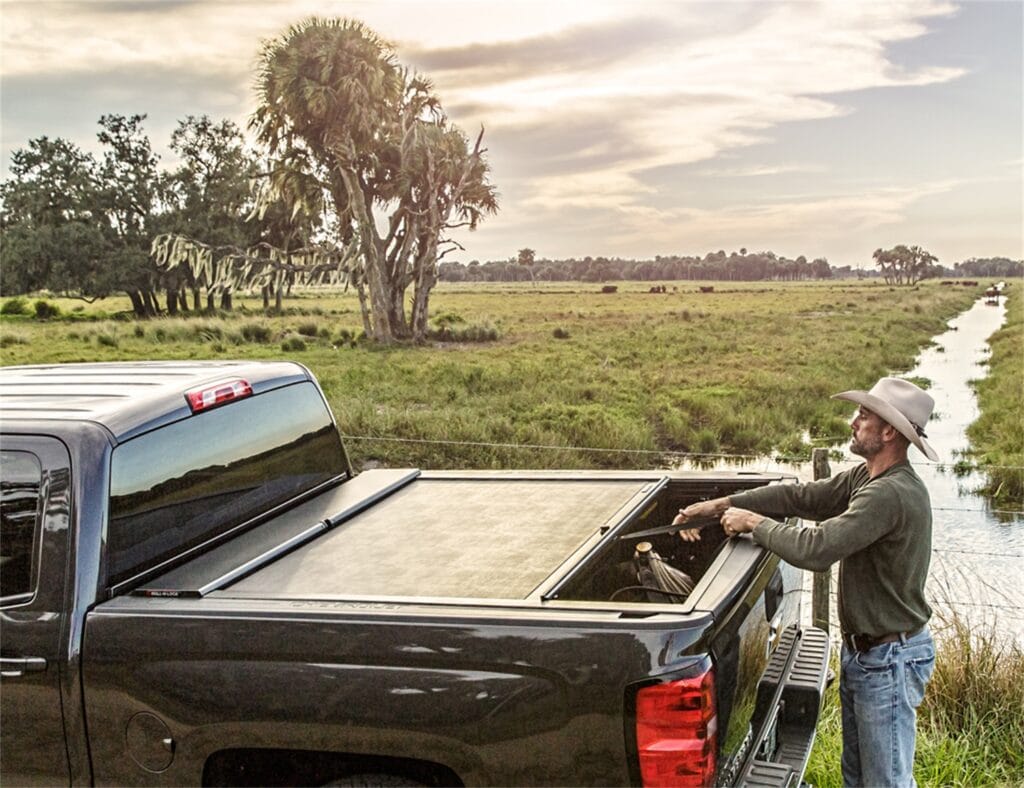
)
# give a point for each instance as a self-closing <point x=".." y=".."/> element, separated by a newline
<point x="802" y="682"/>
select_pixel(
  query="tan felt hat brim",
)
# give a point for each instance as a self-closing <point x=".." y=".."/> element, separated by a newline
<point x="888" y="413"/>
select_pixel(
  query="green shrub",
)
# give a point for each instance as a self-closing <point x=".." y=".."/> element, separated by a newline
<point x="14" y="306"/>
<point x="293" y="344"/>
<point x="139" y="331"/>
<point x="45" y="310"/>
<point x="209" y="333"/>
<point x="255" y="332"/>
<point x="560" y="333"/>
<point x="476" y="332"/>
<point x="706" y="441"/>
<point x="307" y="329"/>
<point x="107" y="340"/>
<point x="447" y="319"/>
<point x="7" y="340"/>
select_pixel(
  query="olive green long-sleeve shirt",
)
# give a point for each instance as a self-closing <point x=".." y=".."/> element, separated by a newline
<point x="880" y="531"/>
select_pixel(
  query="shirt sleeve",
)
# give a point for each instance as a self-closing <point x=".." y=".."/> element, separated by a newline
<point x="869" y="516"/>
<point x="818" y="500"/>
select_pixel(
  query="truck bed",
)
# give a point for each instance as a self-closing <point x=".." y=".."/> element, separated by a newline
<point x="438" y="537"/>
<point x="403" y="533"/>
<point x="449" y="535"/>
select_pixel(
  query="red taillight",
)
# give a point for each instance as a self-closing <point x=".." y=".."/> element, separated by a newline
<point x="217" y="394"/>
<point x="676" y="732"/>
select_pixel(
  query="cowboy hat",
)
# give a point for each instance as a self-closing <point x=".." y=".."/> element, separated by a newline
<point x="905" y="406"/>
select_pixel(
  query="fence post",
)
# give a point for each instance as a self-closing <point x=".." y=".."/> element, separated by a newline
<point x="822" y="580"/>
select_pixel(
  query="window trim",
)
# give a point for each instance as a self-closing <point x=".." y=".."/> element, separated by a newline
<point x="127" y="583"/>
<point x="53" y="456"/>
<point x="186" y="555"/>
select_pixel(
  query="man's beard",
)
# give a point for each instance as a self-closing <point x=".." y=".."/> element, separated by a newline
<point x="867" y="448"/>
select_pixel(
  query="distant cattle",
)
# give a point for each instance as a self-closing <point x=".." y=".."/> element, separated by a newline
<point x="658" y="289"/>
<point x="707" y="288"/>
<point x="609" y="289"/>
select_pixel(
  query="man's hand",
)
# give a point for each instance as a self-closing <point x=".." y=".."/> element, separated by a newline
<point x="696" y="511"/>
<point x="739" y="521"/>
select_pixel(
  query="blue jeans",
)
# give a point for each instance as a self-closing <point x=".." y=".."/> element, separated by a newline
<point x="880" y="690"/>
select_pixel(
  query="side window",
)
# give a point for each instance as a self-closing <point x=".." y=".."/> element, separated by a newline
<point x="20" y="478"/>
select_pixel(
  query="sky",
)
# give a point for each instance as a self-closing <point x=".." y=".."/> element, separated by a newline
<point x="629" y="129"/>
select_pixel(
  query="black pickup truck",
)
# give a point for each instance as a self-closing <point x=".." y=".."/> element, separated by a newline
<point x="197" y="589"/>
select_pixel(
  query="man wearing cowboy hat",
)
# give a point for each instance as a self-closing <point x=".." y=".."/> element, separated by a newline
<point x="875" y="520"/>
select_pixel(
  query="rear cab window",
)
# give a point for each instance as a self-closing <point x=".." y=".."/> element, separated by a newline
<point x="188" y="483"/>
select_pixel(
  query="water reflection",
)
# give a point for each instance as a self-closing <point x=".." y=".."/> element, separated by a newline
<point x="979" y="549"/>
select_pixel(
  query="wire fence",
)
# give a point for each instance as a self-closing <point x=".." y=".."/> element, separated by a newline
<point x="959" y="603"/>
<point x="791" y="460"/>
<point x="694" y="456"/>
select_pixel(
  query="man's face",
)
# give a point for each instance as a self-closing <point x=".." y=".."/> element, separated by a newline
<point x="867" y="433"/>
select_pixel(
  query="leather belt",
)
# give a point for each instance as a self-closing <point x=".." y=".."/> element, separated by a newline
<point x="868" y="642"/>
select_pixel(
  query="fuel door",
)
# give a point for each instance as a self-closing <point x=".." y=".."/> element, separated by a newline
<point x="149" y="742"/>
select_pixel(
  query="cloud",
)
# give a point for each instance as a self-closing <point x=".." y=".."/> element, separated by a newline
<point x="70" y="105"/>
<point x="586" y="128"/>
<point x="600" y="117"/>
<point x="796" y="224"/>
<point x="759" y="171"/>
<point x="575" y="50"/>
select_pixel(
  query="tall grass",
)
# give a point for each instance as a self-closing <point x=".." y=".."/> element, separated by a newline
<point x="997" y="436"/>
<point x="746" y="370"/>
<point x="970" y="727"/>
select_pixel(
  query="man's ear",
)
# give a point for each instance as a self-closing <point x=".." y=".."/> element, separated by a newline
<point x="890" y="433"/>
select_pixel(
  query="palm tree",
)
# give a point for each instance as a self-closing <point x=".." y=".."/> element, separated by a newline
<point x="335" y="105"/>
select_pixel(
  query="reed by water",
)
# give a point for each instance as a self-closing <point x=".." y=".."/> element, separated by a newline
<point x="970" y="726"/>
<point x="997" y="436"/>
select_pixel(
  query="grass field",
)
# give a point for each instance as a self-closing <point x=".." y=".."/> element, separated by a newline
<point x="746" y="369"/>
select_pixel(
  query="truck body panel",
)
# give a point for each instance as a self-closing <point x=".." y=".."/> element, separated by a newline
<point x="213" y="597"/>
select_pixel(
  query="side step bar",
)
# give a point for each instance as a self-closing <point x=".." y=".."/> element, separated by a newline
<point x="780" y="757"/>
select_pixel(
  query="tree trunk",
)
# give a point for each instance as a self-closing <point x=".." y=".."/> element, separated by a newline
<point x="380" y="307"/>
<point x="149" y="299"/>
<point x="278" y="296"/>
<point x="172" y="301"/>
<point x="138" y="307"/>
<point x="265" y="292"/>
<point x="197" y="303"/>
<point x="374" y="260"/>
<point x="396" y="306"/>
<point x="364" y="309"/>
<point x="183" y="299"/>
<point x="209" y="301"/>
<point x="426" y="278"/>
<point x="225" y="300"/>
